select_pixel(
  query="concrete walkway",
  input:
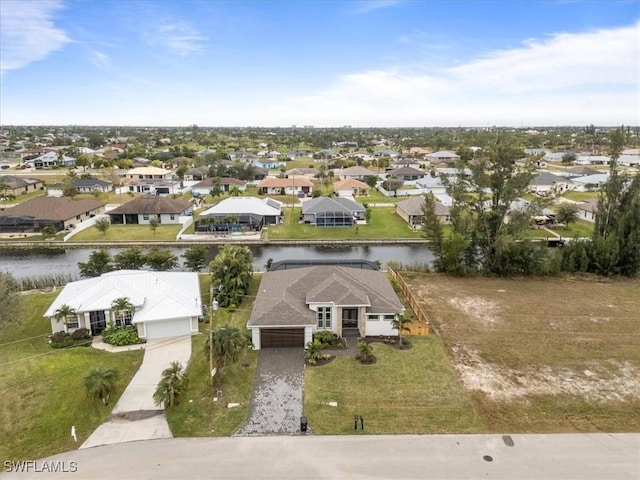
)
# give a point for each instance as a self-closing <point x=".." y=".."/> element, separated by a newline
<point x="276" y="402"/>
<point x="136" y="416"/>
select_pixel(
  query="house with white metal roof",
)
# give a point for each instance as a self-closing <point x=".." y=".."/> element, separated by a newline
<point x="165" y="304"/>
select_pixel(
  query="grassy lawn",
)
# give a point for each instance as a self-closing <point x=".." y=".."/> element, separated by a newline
<point x="384" y="224"/>
<point x="198" y="415"/>
<point x="41" y="388"/>
<point x="407" y="391"/>
<point x="376" y="197"/>
<point x="574" y="230"/>
<point x="119" y="233"/>
<point x="541" y="354"/>
<point x="580" y="196"/>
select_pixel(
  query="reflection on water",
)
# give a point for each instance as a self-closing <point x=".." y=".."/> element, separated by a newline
<point x="30" y="263"/>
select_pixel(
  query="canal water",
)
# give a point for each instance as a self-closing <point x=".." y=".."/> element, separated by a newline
<point x="28" y="264"/>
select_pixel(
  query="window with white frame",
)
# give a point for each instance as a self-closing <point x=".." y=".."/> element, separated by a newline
<point x="123" y="318"/>
<point x="145" y="216"/>
<point x="72" y="323"/>
<point x="373" y="317"/>
<point x="389" y="318"/>
<point x="324" y="317"/>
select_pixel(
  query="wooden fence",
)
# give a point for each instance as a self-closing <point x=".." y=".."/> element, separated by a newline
<point x="420" y="326"/>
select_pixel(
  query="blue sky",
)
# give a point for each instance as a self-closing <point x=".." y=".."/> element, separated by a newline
<point x="324" y="63"/>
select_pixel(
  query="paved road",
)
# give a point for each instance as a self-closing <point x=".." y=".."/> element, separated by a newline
<point x="535" y="457"/>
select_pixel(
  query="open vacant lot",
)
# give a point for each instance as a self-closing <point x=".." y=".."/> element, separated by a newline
<point x="541" y="355"/>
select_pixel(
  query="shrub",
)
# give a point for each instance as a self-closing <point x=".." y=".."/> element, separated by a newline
<point x="81" y="334"/>
<point x="120" y="336"/>
<point x="326" y="338"/>
<point x="69" y="340"/>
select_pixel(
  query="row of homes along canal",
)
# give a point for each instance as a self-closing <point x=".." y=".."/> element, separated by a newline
<point x="26" y="263"/>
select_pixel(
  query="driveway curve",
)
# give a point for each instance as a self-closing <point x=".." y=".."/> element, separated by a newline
<point x="135" y="416"/>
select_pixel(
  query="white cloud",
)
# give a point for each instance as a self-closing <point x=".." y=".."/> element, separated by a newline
<point x="371" y="5"/>
<point x="27" y="33"/>
<point x="100" y="60"/>
<point x="179" y="37"/>
<point x="576" y="78"/>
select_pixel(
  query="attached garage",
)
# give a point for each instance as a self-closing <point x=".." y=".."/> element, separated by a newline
<point x="281" y="337"/>
<point x="168" y="328"/>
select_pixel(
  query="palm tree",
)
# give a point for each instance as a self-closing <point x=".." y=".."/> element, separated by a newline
<point x="100" y="383"/>
<point x="228" y="344"/>
<point x="365" y="351"/>
<point x="64" y="313"/>
<point x="401" y="323"/>
<point x="172" y="384"/>
<point x="120" y="306"/>
<point x="234" y="191"/>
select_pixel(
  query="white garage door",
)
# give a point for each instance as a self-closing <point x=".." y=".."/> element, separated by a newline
<point x="169" y="328"/>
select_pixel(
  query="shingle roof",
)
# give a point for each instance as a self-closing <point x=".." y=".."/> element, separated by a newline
<point x="209" y="182"/>
<point x="53" y="208"/>
<point x="152" y="204"/>
<point x="349" y="183"/>
<point x="90" y="182"/>
<point x="413" y="206"/>
<point x="285" y="182"/>
<point x="284" y="295"/>
<point x="328" y="204"/>
<point x="14" y="181"/>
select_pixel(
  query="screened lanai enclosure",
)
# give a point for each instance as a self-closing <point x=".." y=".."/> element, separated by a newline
<point x="334" y="219"/>
<point x="244" y="222"/>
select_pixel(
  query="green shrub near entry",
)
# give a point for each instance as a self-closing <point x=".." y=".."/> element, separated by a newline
<point x="70" y="340"/>
<point x="326" y="338"/>
<point x="120" y="336"/>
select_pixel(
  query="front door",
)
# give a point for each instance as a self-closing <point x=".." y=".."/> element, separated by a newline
<point x="349" y="318"/>
<point x="98" y="322"/>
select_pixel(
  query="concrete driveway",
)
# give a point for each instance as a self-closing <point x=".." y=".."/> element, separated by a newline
<point x="135" y="416"/>
<point x="276" y="402"/>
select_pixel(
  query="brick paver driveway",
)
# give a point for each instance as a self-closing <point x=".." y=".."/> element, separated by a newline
<point x="276" y="402"/>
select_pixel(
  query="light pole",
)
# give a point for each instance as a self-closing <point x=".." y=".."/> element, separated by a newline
<point x="214" y="308"/>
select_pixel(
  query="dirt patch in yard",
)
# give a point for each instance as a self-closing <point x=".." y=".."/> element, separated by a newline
<point x="560" y="345"/>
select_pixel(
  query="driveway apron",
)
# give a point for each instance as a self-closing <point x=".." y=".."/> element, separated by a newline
<point x="135" y="416"/>
<point x="276" y="402"/>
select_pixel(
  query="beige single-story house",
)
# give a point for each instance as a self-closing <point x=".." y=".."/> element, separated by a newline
<point x="292" y="304"/>
<point x="286" y="186"/>
<point x="350" y="187"/>
<point x="165" y="304"/>
<point x="411" y="211"/>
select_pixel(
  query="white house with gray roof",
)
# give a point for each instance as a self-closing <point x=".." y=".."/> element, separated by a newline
<point x="291" y="305"/>
<point x="332" y="212"/>
<point x="165" y="304"/>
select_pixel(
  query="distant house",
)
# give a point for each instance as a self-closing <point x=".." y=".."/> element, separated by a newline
<point x="51" y="159"/>
<point x="590" y="182"/>
<point x="142" y="209"/>
<point x="225" y="183"/>
<point x="386" y="153"/>
<point x="411" y="211"/>
<point x="259" y="173"/>
<point x="291" y="305"/>
<point x="16" y="186"/>
<point x="332" y="212"/>
<point x="326" y="153"/>
<point x="165" y="304"/>
<point x="60" y="213"/>
<point x="357" y="172"/>
<point x="546" y="183"/>
<point x="442" y="157"/>
<point x="593" y="160"/>
<point x="267" y="163"/>
<point x="580" y="171"/>
<point x="295" y="154"/>
<point x="350" y="187"/>
<point x="310" y="173"/>
<point x="249" y="213"/>
<point x="431" y="184"/>
<point x="629" y="160"/>
<point x="587" y="210"/>
<point x="407" y="173"/>
<point x="286" y="186"/>
<point x="89" y="185"/>
<point x="151" y="180"/>
<point x="196" y="174"/>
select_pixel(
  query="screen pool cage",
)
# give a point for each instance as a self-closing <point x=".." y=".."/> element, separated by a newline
<point x="334" y="219"/>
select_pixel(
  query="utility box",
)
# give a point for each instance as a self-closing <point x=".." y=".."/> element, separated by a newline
<point x="303" y="424"/>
